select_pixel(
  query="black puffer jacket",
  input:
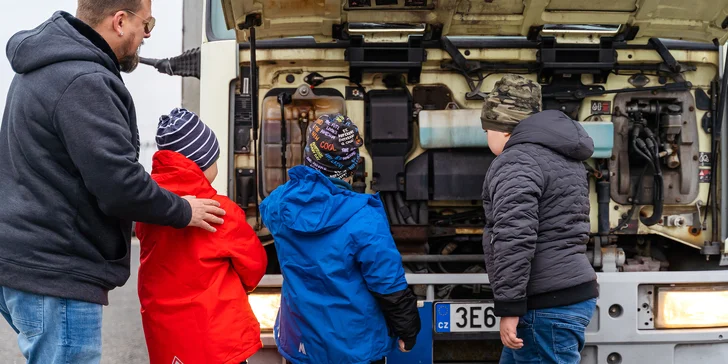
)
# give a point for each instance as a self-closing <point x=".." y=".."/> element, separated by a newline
<point x="536" y="200"/>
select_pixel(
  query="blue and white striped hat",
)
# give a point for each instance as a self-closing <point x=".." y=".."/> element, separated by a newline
<point x="183" y="132"/>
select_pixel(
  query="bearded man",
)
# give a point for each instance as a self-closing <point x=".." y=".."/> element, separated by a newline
<point x="70" y="179"/>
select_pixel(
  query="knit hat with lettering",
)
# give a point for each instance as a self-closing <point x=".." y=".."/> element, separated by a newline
<point x="332" y="146"/>
<point x="183" y="132"/>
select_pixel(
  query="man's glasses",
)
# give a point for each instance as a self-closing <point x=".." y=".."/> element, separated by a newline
<point x="148" y="23"/>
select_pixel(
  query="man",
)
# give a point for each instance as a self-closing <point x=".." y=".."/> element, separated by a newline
<point x="70" y="178"/>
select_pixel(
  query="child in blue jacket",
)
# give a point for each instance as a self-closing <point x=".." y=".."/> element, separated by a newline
<point x="344" y="297"/>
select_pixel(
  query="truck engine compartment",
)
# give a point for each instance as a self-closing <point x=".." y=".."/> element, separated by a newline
<point x="426" y="154"/>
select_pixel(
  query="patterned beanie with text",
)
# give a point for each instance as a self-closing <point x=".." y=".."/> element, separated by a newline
<point x="332" y="146"/>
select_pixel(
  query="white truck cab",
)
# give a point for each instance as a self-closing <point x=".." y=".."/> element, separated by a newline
<point x="413" y="73"/>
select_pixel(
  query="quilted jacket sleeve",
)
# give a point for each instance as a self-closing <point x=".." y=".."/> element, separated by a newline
<point x="381" y="267"/>
<point x="515" y="189"/>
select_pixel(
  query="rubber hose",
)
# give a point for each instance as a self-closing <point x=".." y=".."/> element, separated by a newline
<point x="402" y="206"/>
<point x="391" y="211"/>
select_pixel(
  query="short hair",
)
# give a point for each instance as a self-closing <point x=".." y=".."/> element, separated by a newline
<point x="93" y="12"/>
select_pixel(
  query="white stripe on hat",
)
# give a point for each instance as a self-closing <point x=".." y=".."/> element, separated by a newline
<point x="213" y="156"/>
<point x="192" y="142"/>
<point x="204" y="155"/>
<point x="203" y="144"/>
<point x="174" y="123"/>
<point x="182" y="137"/>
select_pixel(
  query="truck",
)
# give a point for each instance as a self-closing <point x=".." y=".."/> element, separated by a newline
<point x="413" y="75"/>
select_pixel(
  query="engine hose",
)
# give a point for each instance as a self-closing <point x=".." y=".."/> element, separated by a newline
<point x="391" y="211"/>
<point x="603" y="199"/>
<point x="658" y="182"/>
<point x="641" y="148"/>
<point x="404" y="211"/>
<point x="658" y="196"/>
<point x="635" y="202"/>
<point x="413" y="207"/>
<point x="284" y="140"/>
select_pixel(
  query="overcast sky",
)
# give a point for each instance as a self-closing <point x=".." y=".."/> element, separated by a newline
<point x="154" y="93"/>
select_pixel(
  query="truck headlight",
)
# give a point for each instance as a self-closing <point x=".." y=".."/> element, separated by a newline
<point x="691" y="307"/>
<point x="265" y="307"/>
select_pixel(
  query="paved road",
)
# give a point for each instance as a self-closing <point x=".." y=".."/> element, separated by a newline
<point x="123" y="338"/>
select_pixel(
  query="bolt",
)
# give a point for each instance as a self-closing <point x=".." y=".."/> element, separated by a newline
<point x="692" y="108"/>
<point x="678" y="199"/>
<point x="695" y="157"/>
<point x="614" y="157"/>
<point x="616" y="208"/>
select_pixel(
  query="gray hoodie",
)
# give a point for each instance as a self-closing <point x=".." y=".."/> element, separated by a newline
<point x="69" y="173"/>
<point x="536" y="201"/>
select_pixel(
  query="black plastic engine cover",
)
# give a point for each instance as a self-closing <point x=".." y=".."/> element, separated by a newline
<point x="388" y="136"/>
<point x="448" y="175"/>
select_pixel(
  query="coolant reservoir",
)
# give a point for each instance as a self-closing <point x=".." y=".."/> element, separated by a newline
<point x="461" y="128"/>
<point x="306" y="105"/>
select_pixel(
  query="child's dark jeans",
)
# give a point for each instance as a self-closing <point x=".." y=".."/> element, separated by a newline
<point x="552" y="335"/>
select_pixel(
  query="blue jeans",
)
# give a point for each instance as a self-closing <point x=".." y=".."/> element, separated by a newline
<point x="552" y="335"/>
<point x="53" y="330"/>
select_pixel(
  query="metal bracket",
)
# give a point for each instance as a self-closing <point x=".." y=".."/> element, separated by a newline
<point x="403" y="58"/>
<point x="645" y="307"/>
<point x="251" y="20"/>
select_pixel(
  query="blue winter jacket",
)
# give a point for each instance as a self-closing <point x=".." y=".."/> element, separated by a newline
<point x="342" y="274"/>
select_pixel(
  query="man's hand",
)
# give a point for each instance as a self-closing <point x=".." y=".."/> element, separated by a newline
<point x="508" y="335"/>
<point x="204" y="213"/>
<point x="401" y="347"/>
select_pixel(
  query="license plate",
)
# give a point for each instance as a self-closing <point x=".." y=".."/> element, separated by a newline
<point x="465" y="317"/>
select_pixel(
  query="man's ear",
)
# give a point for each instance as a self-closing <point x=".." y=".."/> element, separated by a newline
<point x="118" y="22"/>
<point x="507" y="134"/>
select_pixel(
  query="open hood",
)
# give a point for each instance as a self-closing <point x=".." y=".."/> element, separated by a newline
<point x="695" y="20"/>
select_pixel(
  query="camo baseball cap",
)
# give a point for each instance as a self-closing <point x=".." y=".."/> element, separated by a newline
<point x="513" y="99"/>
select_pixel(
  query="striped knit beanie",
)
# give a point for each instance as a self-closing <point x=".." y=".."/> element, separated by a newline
<point x="183" y="132"/>
<point x="332" y="146"/>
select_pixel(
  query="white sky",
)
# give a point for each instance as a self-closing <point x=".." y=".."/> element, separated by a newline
<point x="154" y="93"/>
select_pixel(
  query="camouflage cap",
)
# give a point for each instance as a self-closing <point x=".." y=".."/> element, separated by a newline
<point x="513" y="99"/>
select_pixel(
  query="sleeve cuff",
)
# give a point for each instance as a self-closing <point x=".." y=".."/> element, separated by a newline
<point x="186" y="216"/>
<point x="510" y="308"/>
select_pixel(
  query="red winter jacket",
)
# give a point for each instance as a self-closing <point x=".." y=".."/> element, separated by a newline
<point x="193" y="284"/>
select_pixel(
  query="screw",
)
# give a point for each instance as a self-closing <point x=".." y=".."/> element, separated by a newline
<point x="614" y="157"/>
<point x="677" y="199"/>
<point x="616" y="208"/>
<point x="614" y="358"/>
<point x="692" y="108"/>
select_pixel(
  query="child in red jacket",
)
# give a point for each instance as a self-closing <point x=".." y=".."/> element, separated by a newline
<point x="193" y="284"/>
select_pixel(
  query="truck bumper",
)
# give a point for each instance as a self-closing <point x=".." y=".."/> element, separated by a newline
<point x="611" y="338"/>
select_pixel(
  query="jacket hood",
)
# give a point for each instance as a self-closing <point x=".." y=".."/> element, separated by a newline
<point x="61" y="38"/>
<point x="556" y="131"/>
<point x="179" y="175"/>
<point x="310" y="203"/>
